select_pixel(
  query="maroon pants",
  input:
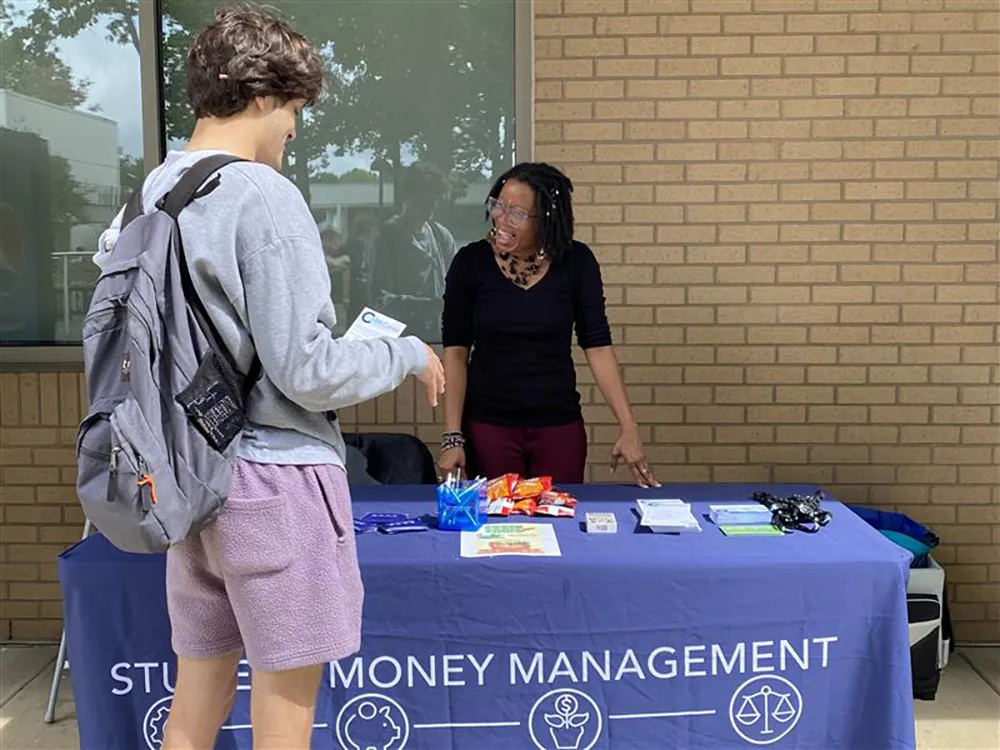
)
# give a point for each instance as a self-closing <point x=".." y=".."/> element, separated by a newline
<point x="558" y="452"/>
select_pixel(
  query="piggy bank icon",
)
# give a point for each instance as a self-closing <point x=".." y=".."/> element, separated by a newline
<point x="372" y="728"/>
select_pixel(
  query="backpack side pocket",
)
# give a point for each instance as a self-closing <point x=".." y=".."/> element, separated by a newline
<point x="212" y="403"/>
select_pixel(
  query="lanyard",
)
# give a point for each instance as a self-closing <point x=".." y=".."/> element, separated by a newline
<point x="795" y="512"/>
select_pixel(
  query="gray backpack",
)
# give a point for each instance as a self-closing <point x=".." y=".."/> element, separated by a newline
<point x="156" y="450"/>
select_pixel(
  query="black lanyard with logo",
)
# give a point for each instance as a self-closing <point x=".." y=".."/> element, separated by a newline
<point x="795" y="512"/>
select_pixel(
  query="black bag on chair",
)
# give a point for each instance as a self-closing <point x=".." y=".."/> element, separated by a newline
<point x="393" y="458"/>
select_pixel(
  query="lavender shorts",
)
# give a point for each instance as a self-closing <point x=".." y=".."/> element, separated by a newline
<point x="276" y="574"/>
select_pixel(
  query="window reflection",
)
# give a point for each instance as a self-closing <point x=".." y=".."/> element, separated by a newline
<point x="397" y="160"/>
<point x="70" y="148"/>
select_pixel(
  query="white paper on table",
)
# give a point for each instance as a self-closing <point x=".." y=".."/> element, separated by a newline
<point x="666" y="515"/>
<point x="371" y="324"/>
<point x="644" y="504"/>
<point x="671" y="519"/>
<point x="495" y="539"/>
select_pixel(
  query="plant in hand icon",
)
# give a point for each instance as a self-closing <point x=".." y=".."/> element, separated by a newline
<point x="567" y="723"/>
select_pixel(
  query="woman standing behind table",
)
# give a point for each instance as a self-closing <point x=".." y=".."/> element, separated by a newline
<point x="511" y="304"/>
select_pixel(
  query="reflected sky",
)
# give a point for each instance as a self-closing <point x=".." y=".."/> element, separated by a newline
<point x="417" y="89"/>
<point x="113" y="72"/>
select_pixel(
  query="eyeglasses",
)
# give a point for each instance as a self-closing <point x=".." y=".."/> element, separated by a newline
<point x="516" y="215"/>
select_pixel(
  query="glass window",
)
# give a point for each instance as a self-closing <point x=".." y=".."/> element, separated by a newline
<point x="397" y="160"/>
<point x="70" y="148"/>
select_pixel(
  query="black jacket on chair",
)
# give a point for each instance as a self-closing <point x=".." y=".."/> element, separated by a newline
<point x="390" y="458"/>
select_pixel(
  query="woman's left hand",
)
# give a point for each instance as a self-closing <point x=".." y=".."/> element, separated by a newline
<point x="628" y="448"/>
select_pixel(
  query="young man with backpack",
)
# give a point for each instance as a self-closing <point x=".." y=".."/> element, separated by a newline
<point x="273" y="570"/>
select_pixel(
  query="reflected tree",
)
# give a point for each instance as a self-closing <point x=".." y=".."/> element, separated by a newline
<point x="430" y="79"/>
<point x="31" y="67"/>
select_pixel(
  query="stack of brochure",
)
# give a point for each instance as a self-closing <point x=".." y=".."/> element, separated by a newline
<point x="740" y="515"/>
<point x="667" y="516"/>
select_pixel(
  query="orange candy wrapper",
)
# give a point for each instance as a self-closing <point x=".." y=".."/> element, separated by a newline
<point x="500" y="507"/>
<point x="524" y="508"/>
<point x="531" y="488"/>
<point x="554" y="497"/>
<point x="511" y="495"/>
<point x="501" y="487"/>
<point x="559" y="511"/>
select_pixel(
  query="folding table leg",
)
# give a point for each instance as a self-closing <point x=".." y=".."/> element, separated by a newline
<point x="50" y="709"/>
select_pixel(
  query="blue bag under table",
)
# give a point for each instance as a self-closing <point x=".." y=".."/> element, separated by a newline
<point x="632" y="641"/>
<point x="931" y="637"/>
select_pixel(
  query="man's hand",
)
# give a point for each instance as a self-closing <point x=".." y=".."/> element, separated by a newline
<point x="432" y="376"/>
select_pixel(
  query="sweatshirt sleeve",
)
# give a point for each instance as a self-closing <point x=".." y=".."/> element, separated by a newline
<point x="291" y="317"/>
<point x="286" y="290"/>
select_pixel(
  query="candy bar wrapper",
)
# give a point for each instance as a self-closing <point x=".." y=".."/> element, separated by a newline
<point x="558" y="511"/>
<point x="524" y="508"/>
<point x="378" y="519"/>
<point x="363" y="527"/>
<point x="531" y="488"/>
<point x="501" y="487"/>
<point x="399" y="527"/>
<point x="500" y="507"/>
<point x="552" y="497"/>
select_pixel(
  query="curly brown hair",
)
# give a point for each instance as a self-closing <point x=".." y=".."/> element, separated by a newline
<point x="247" y="53"/>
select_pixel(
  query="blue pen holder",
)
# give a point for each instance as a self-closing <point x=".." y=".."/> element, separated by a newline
<point x="462" y="506"/>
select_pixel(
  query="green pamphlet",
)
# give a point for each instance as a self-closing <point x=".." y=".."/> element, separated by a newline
<point x="762" y="530"/>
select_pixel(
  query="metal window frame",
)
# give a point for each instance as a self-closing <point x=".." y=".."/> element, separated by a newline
<point x="69" y="357"/>
<point x="524" y="79"/>
<point x="150" y="67"/>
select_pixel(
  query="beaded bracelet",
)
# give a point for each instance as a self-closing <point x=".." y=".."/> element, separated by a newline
<point x="451" y="440"/>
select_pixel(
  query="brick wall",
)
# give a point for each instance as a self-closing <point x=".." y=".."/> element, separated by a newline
<point x="39" y="513"/>
<point x="795" y="205"/>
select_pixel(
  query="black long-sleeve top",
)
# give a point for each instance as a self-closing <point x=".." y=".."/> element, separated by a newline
<point x="521" y="370"/>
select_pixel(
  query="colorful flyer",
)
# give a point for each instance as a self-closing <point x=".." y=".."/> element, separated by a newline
<point x="495" y="539"/>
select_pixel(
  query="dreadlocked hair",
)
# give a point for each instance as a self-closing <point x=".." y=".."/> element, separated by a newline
<point x="553" y="204"/>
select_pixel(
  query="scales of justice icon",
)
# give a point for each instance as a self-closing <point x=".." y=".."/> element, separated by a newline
<point x="767" y="704"/>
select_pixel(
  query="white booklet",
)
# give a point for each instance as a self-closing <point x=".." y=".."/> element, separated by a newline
<point x="671" y="520"/>
<point x="667" y="516"/>
<point x="645" y="504"/>
<point x="371" y="324"/>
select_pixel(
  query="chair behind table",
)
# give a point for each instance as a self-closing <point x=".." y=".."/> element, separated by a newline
<point x="392" y="458"/>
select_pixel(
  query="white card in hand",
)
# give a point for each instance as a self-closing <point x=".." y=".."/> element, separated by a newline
<point x="371" y="324"/>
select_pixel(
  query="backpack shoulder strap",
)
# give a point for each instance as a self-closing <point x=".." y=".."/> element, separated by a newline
<point x="189" y="188"/>
<point x="133" y="209"/>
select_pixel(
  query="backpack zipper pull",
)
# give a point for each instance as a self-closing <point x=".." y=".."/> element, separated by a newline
<point x="113" y="473"/>
<point x="147" y="490"/>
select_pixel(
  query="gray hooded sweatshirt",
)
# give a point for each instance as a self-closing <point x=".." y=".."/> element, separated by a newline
<point x="257" y="262"/>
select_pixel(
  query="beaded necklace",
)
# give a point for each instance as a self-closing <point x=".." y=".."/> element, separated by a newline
<point x="520" y="271"/>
